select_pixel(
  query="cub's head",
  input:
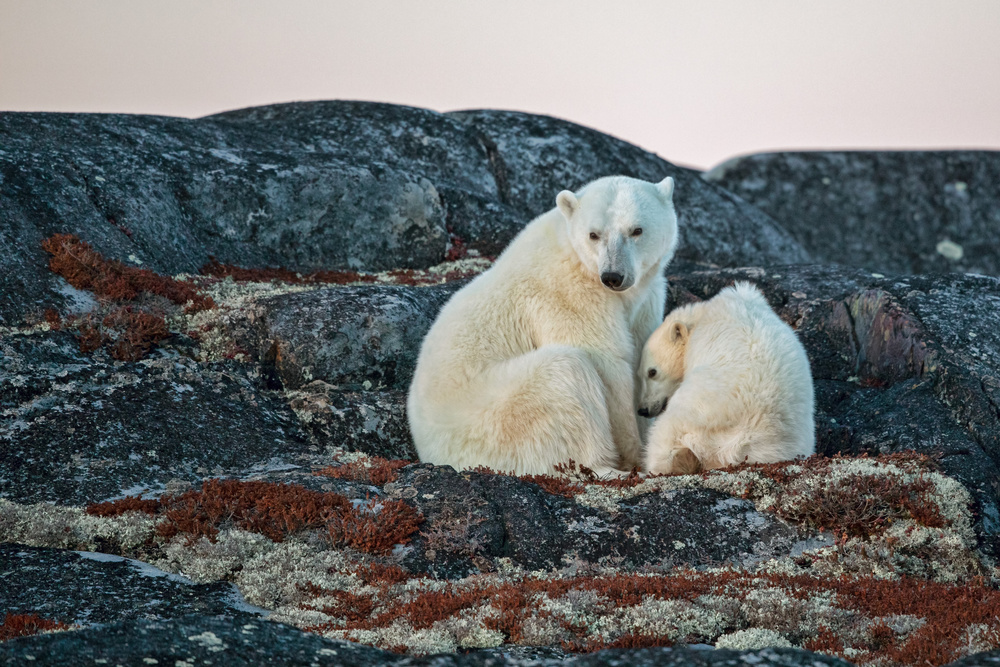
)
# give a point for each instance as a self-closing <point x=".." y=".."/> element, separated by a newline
<point x="621" y="227"/>
<point x="661" y="367"/>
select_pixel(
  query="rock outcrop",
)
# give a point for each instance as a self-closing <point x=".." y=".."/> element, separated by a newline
<point x="893" y="212"/>
<point x="326" y="185"/>
<point x="217" y="466"/>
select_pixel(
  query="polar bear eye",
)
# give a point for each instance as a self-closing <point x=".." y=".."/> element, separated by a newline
<point x="651" y="373"/>
<point x="594" y="236"/>
<point x="637" y="231"/>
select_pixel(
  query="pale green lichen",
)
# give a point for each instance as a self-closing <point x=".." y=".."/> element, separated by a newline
<point x="55" y="526"/>
<point x="204" y="561"/>
<point x="753" y="638"/>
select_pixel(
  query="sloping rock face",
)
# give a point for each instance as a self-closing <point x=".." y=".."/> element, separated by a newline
<point x="894" y="212"/>
<point x="325" y="185"/>
<point x="246" y="490"/>
<point x="208" y="640"/>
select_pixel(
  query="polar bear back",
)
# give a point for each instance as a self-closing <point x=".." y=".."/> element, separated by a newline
<point x="746" y="373"/>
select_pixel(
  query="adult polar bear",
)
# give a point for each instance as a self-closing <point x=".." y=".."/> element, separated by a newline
<point x="534" y="362"/>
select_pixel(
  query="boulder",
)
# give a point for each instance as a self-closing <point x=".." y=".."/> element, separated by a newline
<point x="80" y="428"/>
<point x="893" y="212"/>
<point x="319" y="185"/>
<point x="539" y="155"/>
<point x="86" y="588"/>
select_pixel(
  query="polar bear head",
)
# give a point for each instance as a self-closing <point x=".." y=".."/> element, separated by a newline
<point x="661" y="367"/>
<point x="621" y="228"/>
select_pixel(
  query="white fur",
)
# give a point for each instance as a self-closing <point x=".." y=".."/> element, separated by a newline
<point x="736" y="383"/>
<point x="533" y="363"/>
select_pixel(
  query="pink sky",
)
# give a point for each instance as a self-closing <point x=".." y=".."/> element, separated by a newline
<point x="695" y="81"/>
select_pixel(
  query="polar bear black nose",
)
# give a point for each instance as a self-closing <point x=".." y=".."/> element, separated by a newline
<point x="612" y="279"/>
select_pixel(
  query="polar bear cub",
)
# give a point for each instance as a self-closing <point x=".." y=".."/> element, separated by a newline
<point x="534" y="362"/>
<point x="732" y="382"/>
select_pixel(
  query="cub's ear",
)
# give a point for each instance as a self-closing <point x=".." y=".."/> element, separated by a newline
<point x="567" y="203"/>
<point x="666" y="189"/>
<point x="679" y="333"/>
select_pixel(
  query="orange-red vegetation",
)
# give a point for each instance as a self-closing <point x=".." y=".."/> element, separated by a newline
<point x="557" y="486"/>
<point x="395" y="523"/>
<point x="128" y="331"/>
<point x="51" y="316"/>
<point x="274" y="510"/>
<point x="218" y="270"/>
<point x="947" y="609"/>
<point x="858" y="505"/>
<point x="377" y="574"/>
<point x="85" y="268"/>
<point x="375" y="470"/>
<point x="628" y="640"/>
<point x="25" y="625"/>
<point x="457" y="249"/>
<point x="122" y="505"/>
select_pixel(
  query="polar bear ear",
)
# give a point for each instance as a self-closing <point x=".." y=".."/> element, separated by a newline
<point x="567" y="203"/>
<point x="679" y="333"/>
<point x="666" y="189"/>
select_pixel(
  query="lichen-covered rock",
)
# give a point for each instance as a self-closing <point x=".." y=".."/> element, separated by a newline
<point x="319" y="185"/>
<point x="85" y="588"/>
<point x="474" y="518"/>
<point x="354" y="338"/>
<point x="80" y="428"/>
<point x="895" y="212"/>
<point x="212" y="640"/>
<point x="537" y="156"/>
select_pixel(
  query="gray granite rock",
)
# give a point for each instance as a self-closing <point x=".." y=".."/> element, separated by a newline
<point x="84" y="588"/>
<point x="319" y="185"/>
<point x="366" y="337"/>
<point x="473" y="518"/>
<point x="537" y="156"/>
<point x="79" y="428"/>
<point x="211" y="640"/>
<point x="895" y="212"/>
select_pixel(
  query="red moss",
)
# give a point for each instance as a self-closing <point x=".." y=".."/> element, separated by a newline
<point x="628" y="640"/>
<point x="377" y="574"/>
<point x="375" y="470"/>
<point x="128" y="332"/>
<point x="557" y="486"/>
<point x="826" y="641"/>
<point x="859" y="505"/>
<point x="276" y="511"/>
<point x="395" y="523"/>
<point x="456" y="249"/>
<point x="271" y="509"/>
<point x="26" y="625"/>
<point x="53" y="319"/>
<point x="85" y="268"/>
<point x="122" y="505"/>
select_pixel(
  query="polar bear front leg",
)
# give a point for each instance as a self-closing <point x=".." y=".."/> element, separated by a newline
<point x="619" y="385"/>
<point x="669" y="450"/>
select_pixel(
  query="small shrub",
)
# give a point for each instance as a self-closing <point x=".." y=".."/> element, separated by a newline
<point x="373" y="470"/>
<point x="26" y="625"/>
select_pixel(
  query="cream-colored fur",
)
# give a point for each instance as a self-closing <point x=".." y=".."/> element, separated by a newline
<point x="735" y="383"/>
<point x="533" y="363"/>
